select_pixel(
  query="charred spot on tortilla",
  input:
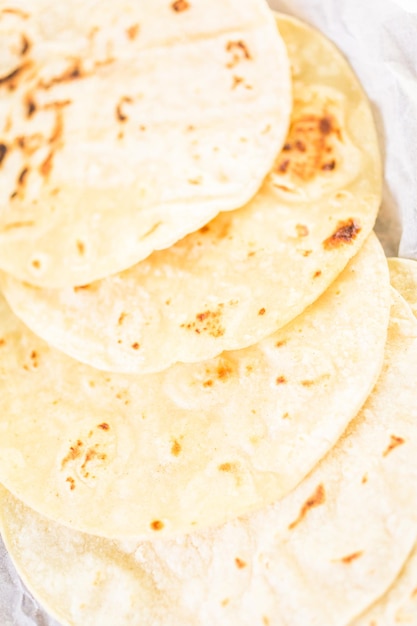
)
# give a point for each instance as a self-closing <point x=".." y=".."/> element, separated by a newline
<point x="351" y="557"/>
<point x="71" y="482"/>
<point x="394" y="443"/>
<point x="240" y="564"/>
<point x="30" y="105"/>
<point x="317" y="499"/>
<point x="345" y="233"/>
<point x="309" y="143"/>
<point x="208" y="321"/>
<point x="133" y="31"/>
<point x="120" y="114"/>
<point x="180" y="5"/>
<point x="3" y="152"/>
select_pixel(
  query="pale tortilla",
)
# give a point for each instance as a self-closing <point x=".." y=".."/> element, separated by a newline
<point x="121" y="455"/>
<point x="403" y="276"/>
<point x="126" y="125"/>
<point x="318" y="557"/>
<point x="248" y="272"/>
<point x="398" y="607"/>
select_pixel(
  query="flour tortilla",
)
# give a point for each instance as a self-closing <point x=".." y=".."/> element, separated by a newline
<point x="248" y="272"/>
<point x="121" y="455"/>
<point x="320" y="556"/>
<point x="403" y="276"/>
<point x="127" y="125"/>
<point x="398" y="607"/>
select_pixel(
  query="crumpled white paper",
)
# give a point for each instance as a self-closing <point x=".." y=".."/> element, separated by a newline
<point x="379" y="37"/>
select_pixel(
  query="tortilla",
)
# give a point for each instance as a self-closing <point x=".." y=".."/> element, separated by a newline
<point x="248" y="272"/>
<point x="127" y="125"/>
<point x="320" y="556"/>
<point x="399" y="605"/>
<point x="121" y="455"/>
<point x="403" y="276"/>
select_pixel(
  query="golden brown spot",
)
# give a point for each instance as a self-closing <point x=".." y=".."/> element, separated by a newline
<point x="208" y="383"/>
<point x="2" y="342"/>
<point x="305" y="153"/>
<point x="82" y="288"/>
<point x="317" y="274"/>
<point x="71" y="481"/>
<point x="59" y="120"/>
<point x="394" y="443"/>
<point x="306" y="252"/>
<point x="180" y="5"/>
<point x="227" y="467"/>
<point x="73" y="72"/>
<point x="120" y="115"/>
<point x="89" y="456"/>
<point x="122" y="318"/>
<point x="175" y="448"/>
<point x="25" y="45"/>
<point x="10" y="79"/>
<point x="224" y="370"/>
<point x="265" y="620"/>
<point x="236" y="81"/>
<point x="317" y="499"/>
<point x="302" y="230"/>
<point x="280" y="343"/>
<point x="283" y="166"/>
<point x="326" y="125"/>
<point x="364" y="479"/>
<point x="3" y="152"/>
<point x="30" y="143"/>
<point x="17" y="12"/>
<point x="345" y="233"/>
<point x="22" y="177"/>
<point x="36" y="264"/>
<point x="285" y="416"/>
<point x="208" y="321"/>
<point x="157" y="525"/>
<point x="414" y="593"/>
<point x="14" y="225"/>
<point x="74" y="452"/>
<point x="239" y="563"/>
<point x="195" y="181"/>
<point x="225" y="602"/>
<point x="262" y="311"/>
<point x="281" y="380"/>
<point x="132" y="31"/>
<point x="34" y="358"/>
<point x="80" y="247"/>
<point x="329" y="166"/>
<point x="46" y="167"/>
<point x="135" y="345"/>
<point x="351" y="557"/>
<point x="239" y="51"/>
<point x="104" y="426"/>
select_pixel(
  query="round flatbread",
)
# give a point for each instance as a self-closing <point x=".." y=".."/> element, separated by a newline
<point x="127" y="125"/>
<point x="403" y="276"/>
<point x="398" y="607"/>
<point x="248" y="272"/>
<point x="122" y="455"/>
<point x="320" y="556"/>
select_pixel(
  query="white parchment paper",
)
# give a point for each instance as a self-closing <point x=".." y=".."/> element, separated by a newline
<point x="379" y="37"/>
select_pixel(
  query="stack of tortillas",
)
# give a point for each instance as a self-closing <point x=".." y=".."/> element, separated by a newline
<point x="207" y="391"/>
